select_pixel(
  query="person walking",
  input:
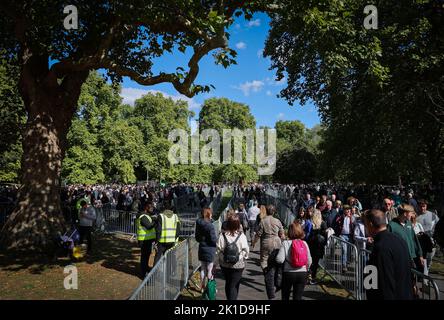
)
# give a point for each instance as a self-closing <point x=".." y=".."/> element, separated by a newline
<point x="206" y="237"/>
<point x="403" y="227"/>
<point x="295" y="255"/>
<point x="232" y="250"/>
<point x="167" y="230"/>
<point x="253" y="213"/>
<point x="146" y="235"/>
<point x="270" y="233"/>
<point x="316" y="243"/>
<point x="428" y="220"/>
<point x="390" y="256"/>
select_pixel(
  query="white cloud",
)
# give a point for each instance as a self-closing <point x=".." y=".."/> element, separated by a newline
<point x="254" y="23"/>
<point x="241" y="45"/>
<point x="260" y="53"/>
<point x="280" y="116"/>
<point x="269" y="93"/>
<point x="130" y="95"/>
<point x="247" y="87"/>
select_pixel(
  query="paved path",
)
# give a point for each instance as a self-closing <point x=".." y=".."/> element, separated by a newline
<point x="253" y="285"/>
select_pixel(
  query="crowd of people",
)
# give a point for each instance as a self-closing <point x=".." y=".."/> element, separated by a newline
<point x="401" y="226"/>
<point x="360" y="215"/>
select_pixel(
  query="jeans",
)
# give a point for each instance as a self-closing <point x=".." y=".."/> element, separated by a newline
<point x="345" y="254"/>
<point x="295" y="281"/>
<point x="314" y="266"/>
<point x="429" y="257"/>
<point x="252" y="224"/>
<point x="232" y="282"/>
<point x="269" y="274"/>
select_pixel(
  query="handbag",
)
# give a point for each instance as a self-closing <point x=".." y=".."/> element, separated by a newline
<point x="210" y="291"/>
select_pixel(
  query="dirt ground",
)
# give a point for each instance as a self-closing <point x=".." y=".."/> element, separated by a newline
<point x="109" y="273"/>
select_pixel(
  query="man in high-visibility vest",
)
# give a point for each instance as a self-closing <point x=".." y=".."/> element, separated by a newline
<point x="146" y="235"/>
<point x="167" y="230"/>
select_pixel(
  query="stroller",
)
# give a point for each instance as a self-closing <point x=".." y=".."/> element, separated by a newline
<point x="67" y="242"/>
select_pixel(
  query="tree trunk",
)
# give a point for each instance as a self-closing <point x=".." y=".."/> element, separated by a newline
<point x="37" y="220"/>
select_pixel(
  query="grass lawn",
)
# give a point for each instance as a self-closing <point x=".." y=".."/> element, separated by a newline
<point x="109" y="273"/>
<point x="330" y="287"/>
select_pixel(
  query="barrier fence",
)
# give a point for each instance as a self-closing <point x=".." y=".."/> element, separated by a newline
<point x="341" y="262"/>
<point x="282" y="205"/>
<point x="344" y="262"/>
<point x="340" y="254"/>
<point x="173" y="271"/>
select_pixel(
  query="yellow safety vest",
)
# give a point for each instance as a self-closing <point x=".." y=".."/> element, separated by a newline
<point x="168" y="233"/>
<point x="142" y="233"/>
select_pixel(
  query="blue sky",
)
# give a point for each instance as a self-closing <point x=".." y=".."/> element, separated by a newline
<point x="250" y="81"/>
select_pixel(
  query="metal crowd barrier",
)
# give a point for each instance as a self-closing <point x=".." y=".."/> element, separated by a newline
<point x="425" y="286"/>
<point x="168" y="277"/>
<point x="340" y="254"/>
<point x="282" y="205"/>
<point x="364" y="256"/>
<point x="341" y="263"/>
<point x="118" y="221"/>
<point x="172" y="272"/>
<point x="218" y="223"/>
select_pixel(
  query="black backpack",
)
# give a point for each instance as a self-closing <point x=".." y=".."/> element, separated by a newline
<point x="231" y="251"/>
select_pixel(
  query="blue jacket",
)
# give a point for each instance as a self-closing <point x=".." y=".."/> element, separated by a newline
<point x="206" y="236"/>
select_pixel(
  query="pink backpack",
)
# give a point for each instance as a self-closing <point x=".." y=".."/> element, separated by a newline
<point x="298" y="254"/>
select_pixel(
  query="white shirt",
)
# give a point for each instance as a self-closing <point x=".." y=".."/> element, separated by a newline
<point x="346" y="226"/>
<point x="253" y="212"/>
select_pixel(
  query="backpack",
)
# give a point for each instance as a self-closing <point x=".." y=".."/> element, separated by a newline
<point x="210" y="290"/>
<point x="298" y="254"/>
<point x="231" y="251"/>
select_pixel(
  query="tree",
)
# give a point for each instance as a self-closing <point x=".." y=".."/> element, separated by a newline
<point x="296" y="165"/>
<point x="157" y="116"/>
<point x="373" y="88"/>
<point x="121" y="149"/>
<point x="98" y="104"/>
<point x="290" y="134"/>
<point x="297" y="155"/>
<point x="220" y="114"/>
<point x="84" y="160"/>
<point x="12" y="118"/>
<point x="123" y="38"/>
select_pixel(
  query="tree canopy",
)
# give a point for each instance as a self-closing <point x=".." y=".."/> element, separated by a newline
<point x="378" y="92"/>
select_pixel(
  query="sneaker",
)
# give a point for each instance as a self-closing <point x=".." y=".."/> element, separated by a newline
<point x="313" y="282"/>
